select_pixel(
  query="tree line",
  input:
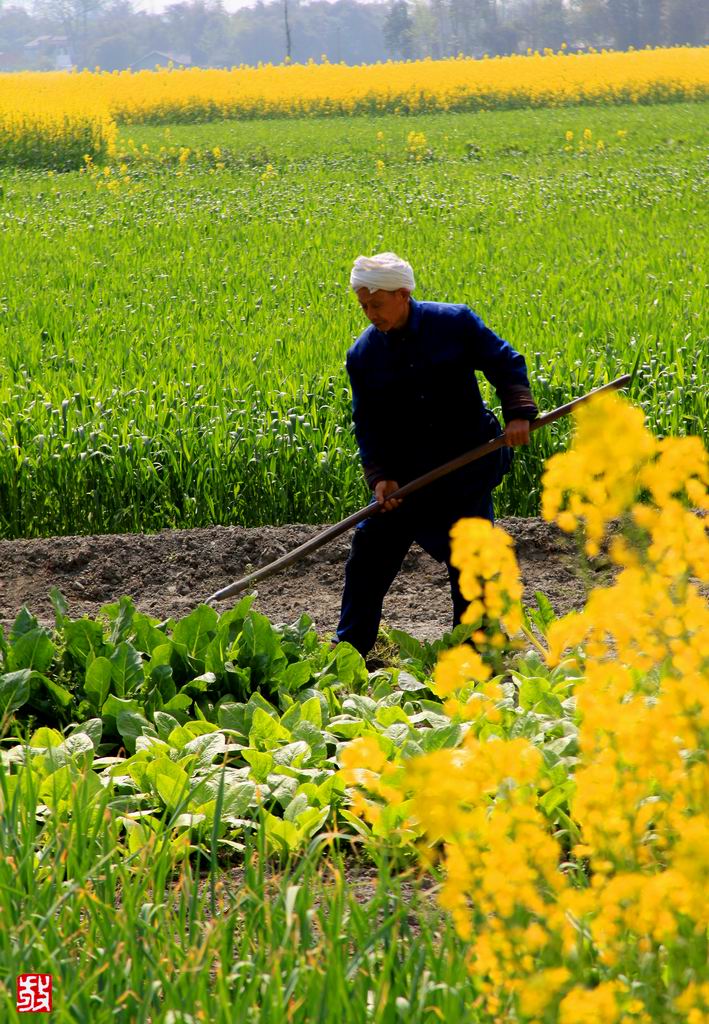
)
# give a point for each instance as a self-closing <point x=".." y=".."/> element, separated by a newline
<point x="112" y="34"/>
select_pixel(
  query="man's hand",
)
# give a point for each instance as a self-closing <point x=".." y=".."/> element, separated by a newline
<point x="382" y="491"/>
<point x="517" y="432"/>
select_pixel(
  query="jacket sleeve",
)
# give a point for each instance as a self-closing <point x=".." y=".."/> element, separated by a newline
<point x="506" y="370"/>
<point x="365" y="416"/>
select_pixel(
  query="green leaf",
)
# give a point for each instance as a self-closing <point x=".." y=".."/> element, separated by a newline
<point x="237" y="797"/>
<point x="84" y="640"/>
<point x="34" y="649"/>
<point x="328" y="792"/>
<point x="257" y="700"/>
<point x="543" y="615"/>
<point x="62" y="787"/>
<point x="126" y="669"/>
<point x="25" y="622"/>
<point x="192" y="820"/>
<point x="350" y="667"/>
<point x="93" y="728"/>
<point x="60" y="606"/>
<point x="206" y="748"/>
<point x="294" y="676"/>
<point x="258" y="648"/>
<point x="311" y="711"/>
<point x="14" y="690"/>
<point x="563" y="746"/>
<point x="97" y="683"/>
<point x="298" y="804"/>
<point x="76" y="748"/>
<point x="234" y="617"/>
<point x="184" y="734"/>
<point x="292" y="716"/>
<point x="230" y="715"/>
<point x="531" y="690"/>
<point x="163" y="654"/>
<point x="146" y="635"/>
<point x="567" y="825"/>
<point x="131" y="725"/>
<point x="408" y="645"/>
<point x="311" y="819"/>
<point x="405" y="681"/>
<point x="387" y="716"/>
<point x="195" y="632"/>
<point x="292" y="755"/>
<point x="266" y="732"/>
<point x="180" y="702"/>
<point x="60" y="695"/>
<point x="199" y="685"/>
<point x="164" y="724"/>
<point x="161" y="678"/>
<point x="46" y="738"/>
<point x="360" y="707"/>
<point x="113" y="706"/>
<point x="169" y="780"/>
<point x="261" y="763"/>
<point x="283" y="788"/>
<point x="360" y="827"/>
<point x="440" y="738"/>
<point x="282" y="835"/>
<point x="120" y="615"/>
<point x="313" y="737"/>
<point x="347" y="727"/>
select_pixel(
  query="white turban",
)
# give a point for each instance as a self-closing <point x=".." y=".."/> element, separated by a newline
<point x="386" y="270"/>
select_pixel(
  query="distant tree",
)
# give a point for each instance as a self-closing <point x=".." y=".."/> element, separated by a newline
<point x="440" y="16"/>
<point x="75" y="18"/>
<point x="685" y="21"/>
<point x="398" y="30"/>
<point x="588" y="23"/>
<point x="344" y="30"/>
<point x="185" y="25"/>
<point x="114" y="34"/>
<point x="424" y="35"/>
<point x="650" y="22"/>
<point x="624" y="17"/>
<point x="17" y="26"/>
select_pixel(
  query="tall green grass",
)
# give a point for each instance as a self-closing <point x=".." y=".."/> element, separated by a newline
<point x="172" y="352"/>
<point x="154" y="938"/>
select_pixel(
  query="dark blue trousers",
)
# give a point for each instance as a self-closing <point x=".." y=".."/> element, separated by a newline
<point x="379" y="546"/>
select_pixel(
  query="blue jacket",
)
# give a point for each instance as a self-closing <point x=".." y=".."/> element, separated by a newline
<point x="416" y="401"/>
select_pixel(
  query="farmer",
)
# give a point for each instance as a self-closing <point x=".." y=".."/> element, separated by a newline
<point x="415" y="405"/>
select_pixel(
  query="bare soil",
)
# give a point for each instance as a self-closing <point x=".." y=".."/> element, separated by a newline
<point x="168" y="573"/>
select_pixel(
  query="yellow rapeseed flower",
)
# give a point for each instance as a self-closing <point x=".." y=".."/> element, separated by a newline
<point x="80" y="110"/>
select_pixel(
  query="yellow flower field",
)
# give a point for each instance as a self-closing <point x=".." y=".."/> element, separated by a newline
<point x="563" y="927"/>
<point x="548" y="79"/>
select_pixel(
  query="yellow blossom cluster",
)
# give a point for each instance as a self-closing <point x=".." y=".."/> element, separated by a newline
<point x="124" y="171"/>
<point x="607" y="919"/>
<point x="44" y="99"/>
<point x="489" y="580"/>
<point x="585" y="486"/>
<point x="417" y="147"/>
<point x="587" y="144"/>
<point x="55" y="134"/>
<point x="489" y="574"/>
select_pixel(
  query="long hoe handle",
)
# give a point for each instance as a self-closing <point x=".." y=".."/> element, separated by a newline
<point x="414" y="485"/>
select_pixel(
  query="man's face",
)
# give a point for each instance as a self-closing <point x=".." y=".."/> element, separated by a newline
<point x="386" y="310"/>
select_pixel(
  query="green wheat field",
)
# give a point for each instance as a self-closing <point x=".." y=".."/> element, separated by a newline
<point x="173" y="329"/>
